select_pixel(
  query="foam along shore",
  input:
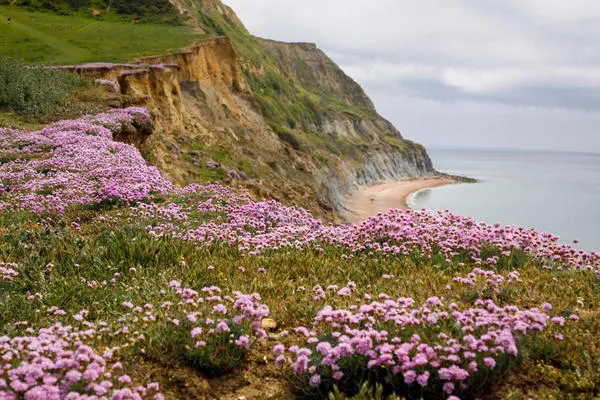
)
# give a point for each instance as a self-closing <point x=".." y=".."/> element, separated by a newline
<point x="369" y="200"/>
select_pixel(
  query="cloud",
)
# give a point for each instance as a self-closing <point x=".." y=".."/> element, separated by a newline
<point x="568" y="87"/>
<point x="502" y="53"/>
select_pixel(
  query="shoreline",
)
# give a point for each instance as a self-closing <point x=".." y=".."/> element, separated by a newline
<point x="369" y="200"/>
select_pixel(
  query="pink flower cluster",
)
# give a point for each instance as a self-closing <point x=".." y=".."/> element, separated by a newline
<point x="8" y="271"/>
<point x="253" y="226"/>
<point x="210" y="313"/>
<point x="486" y="278"/>
<point x="60" y="363"/>
<point x="232" y="218"/>
<point x="433" y="341"/>
<point x="56" y="364"/>
<point x="75" y="162"/>
<point x="425" y="233"/>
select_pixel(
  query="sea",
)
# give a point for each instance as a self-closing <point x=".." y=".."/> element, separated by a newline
<point x="551" y="191"/>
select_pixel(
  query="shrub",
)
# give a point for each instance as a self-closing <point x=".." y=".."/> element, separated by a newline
<point x="208" y="330"/>
<point x="289" y="138"/>
<point x="36" y="92"/>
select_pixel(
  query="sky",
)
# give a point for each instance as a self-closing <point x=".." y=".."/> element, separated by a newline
<point x="515" y="74"/>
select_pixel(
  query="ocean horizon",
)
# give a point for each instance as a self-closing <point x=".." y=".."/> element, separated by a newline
<point x="548" y="190"/>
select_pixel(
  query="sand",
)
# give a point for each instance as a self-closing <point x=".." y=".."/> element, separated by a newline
<point x="372" y="199"/>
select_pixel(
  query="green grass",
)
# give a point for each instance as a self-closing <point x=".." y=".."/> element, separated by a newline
<point x="39" y="37"/>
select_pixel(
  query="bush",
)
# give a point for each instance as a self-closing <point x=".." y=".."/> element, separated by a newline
<point x="210" y="331"/>
<point x="36" y="92"/>
<point x="289" y="138"/>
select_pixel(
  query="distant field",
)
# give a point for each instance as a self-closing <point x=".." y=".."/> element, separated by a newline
<point x="49" y="38"/>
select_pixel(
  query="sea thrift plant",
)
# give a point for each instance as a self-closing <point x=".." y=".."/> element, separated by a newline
<point x="114" y="86"/>
<point x="256" y="227"/>
<point x="430" y="348"/>
<point x="8" y="271"/>
<point x="55" y="363"/>
<point x="210" y="329"/>
<point x="75" y="163"/>
<point x="485" y="280"/>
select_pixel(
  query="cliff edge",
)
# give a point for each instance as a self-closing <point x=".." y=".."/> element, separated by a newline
<point x="281" y="119"/>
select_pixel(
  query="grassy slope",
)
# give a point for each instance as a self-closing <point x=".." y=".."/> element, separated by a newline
<point x="41" y="37"/>
<point x="102" y="247"/>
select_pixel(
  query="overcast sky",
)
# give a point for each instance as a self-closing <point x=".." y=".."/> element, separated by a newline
<point x="476" y="73"/>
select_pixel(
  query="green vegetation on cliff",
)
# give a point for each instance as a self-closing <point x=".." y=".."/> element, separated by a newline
<point x="38" y="93"/>
<point x="49" y="38"/>
<point x="143" y="10"/>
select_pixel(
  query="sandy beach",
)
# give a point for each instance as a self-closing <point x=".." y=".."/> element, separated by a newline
<point x="372" y="199"/>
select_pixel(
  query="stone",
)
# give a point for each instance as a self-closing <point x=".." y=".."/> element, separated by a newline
<point x="268" y="324"/>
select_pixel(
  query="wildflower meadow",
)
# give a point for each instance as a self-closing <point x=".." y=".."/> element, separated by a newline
<point x="116" y="284"/>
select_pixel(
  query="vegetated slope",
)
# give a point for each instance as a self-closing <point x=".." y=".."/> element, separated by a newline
<point x="117" y="284"/>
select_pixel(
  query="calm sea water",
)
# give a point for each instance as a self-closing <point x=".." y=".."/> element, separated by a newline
<point x="556" y="192"/>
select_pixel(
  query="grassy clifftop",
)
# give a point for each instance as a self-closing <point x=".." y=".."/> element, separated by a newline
<point x="49" y="38"/>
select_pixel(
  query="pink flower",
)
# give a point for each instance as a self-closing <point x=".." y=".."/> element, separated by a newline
<point x="314" y="381"/>
<point x="410" y="376"/>
<point x="222" y="327"/>
<point x="423" y="378"/>
<point x="278" y="349"/>
<point x="448" y="387"/>
<point x="196" y="332"/>
<point x="489" y="362"/>
<point x="243" y="342"/>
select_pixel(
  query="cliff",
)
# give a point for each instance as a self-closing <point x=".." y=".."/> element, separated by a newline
<point x="280" y="118"/>
<point x="380" y="152"/>
<point x="310" y="67"/>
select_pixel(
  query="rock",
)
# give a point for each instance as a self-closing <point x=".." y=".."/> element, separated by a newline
<point x="268" y="324"/>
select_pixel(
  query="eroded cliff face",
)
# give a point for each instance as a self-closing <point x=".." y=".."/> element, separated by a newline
<point x="211" y="107"/>
<point x="381" y="152"/>
<point x="212" y="60"/>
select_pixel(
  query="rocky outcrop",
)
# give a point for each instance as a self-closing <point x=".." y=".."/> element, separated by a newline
<point x="212" y="60"/>
<point x="158" y="89"/>
<point x="154" y="86"/>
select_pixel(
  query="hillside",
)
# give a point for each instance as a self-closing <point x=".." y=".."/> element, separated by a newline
<point x="126" y="274"/>
<point x="115" y="283"/>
